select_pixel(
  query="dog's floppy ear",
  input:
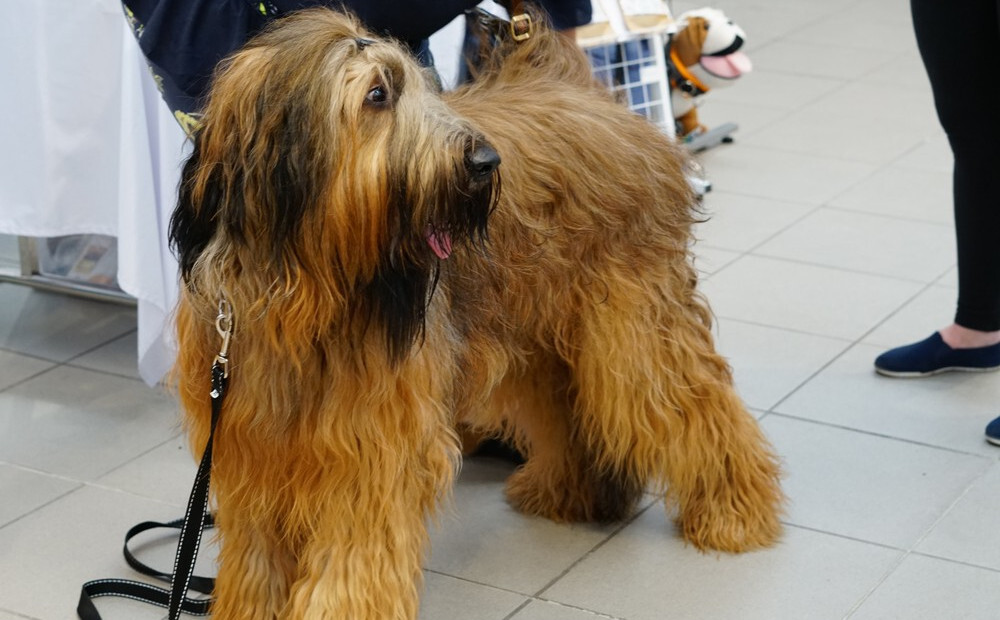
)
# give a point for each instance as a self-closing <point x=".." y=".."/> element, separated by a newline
<point x="194" y="221"/>
<point x="688" y="42"/>
<point x="223" y="177"/>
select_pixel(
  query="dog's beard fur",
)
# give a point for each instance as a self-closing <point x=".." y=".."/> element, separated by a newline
<point x="348" y="180"/>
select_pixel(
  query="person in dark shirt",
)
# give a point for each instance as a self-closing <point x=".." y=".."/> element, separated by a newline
<point x="183" y="40"/>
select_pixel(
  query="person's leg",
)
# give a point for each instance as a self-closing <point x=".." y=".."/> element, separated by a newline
<point x="958" y="44"/>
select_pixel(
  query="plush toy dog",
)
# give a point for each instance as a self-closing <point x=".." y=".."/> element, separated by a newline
<point x="704" y="54"/>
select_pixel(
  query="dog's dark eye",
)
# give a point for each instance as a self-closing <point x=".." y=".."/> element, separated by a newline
<point x="378" y="95"/>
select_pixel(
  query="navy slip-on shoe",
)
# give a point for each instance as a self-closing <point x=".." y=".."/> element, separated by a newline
<point x="993" y="432"/>
<point x="933" y="355"/>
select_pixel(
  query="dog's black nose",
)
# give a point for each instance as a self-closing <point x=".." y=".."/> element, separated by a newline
<point x="482" y="161"/>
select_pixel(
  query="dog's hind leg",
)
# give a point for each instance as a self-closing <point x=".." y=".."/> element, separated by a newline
<point x="658" y="402"/>
<point x="560" y="479"/>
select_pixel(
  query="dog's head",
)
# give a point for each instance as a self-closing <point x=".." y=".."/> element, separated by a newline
<point x="710" y="45"/>
<point x="328" y="180"/>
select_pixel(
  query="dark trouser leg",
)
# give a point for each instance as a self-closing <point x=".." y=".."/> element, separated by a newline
<point x="958" y="43"/>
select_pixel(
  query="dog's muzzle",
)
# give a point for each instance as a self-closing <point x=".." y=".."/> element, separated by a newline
<point x="482" y="161"/>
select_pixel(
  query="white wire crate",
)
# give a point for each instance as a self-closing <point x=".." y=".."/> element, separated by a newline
<point x="636" y="71"/>
<point x="626" y="46"/>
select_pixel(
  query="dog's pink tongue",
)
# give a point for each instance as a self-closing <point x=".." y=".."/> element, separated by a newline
<point x="729" y="66"/>
<point x="440" y="242"/>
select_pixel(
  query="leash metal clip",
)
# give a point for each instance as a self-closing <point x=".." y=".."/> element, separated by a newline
<point x="224" y="325"/>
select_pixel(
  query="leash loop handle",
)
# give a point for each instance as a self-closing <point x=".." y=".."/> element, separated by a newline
<point x="196" y="519"/>
<point x="197" y="509"/>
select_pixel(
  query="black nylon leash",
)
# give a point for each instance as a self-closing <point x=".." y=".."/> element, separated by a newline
<point x="196" y="519"/>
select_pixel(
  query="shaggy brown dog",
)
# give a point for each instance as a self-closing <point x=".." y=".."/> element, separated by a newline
<point x="329" y="186"/>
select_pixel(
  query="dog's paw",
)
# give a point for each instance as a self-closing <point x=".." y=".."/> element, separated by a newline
<point x="573" y="498"/>
<point x="729" y="529"/>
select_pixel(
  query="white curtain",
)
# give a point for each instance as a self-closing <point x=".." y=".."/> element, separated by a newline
<point x="87" y="146"/>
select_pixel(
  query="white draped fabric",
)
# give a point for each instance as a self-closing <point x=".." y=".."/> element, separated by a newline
<point x="88" y="147"/>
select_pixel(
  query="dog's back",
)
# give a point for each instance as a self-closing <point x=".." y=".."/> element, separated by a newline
<point x="585" y="181"/>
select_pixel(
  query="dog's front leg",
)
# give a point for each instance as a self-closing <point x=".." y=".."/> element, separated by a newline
<point x="255" y="570"/>
<point x="364" y="561"/>
<point x="371" y="576"/>
<point x="363" y="549"/>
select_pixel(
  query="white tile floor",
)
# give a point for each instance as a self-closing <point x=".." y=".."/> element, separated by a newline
<point x="830" y="239"/>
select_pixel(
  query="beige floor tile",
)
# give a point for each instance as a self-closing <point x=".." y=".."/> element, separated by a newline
<point x="933" y="155"/>
<point x="868" y="103"/>
<point x="875" y="244"/>
<point x="963" y="535"/>
<point x="82" y="424"/>
<point x="710" y="260"/>
<point x="546" y="610"/>
<point x="482" y="539"/>
<point x="929" y="589"/>
<point x="890" y="34"/>
<point x="783" y="176"/>
<point x="15" y="368"/>
<point x="838" y="61"/>
<point x="932" y="309"/>
<point x="807" y="298"/>
<point x="874" y="141"/>
<point x="57" y="327"/>
<point x="904" y="69"/>
<point x="447" y="597"/>
<point x="769" y="363"/>
<point x="740" y="223"/>
<point x="645" y="573"/>
<point x="117" y="357"/>
<point x="165" y="473"/>
<point x="748" y="118"/>
<point x="949" y="410"/>
<point x="24" y="490"/>
<point x="902" y="192"/>
<point x="48" y="557"/>
<point x="866" y="487"/>
<point x="777" y="90"/>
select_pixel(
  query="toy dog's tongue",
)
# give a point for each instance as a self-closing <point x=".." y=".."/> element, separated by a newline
<point x="440" y="242"/>
<point x="729" y="66"/>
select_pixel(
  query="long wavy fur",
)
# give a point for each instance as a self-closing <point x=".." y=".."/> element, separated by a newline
<point x="328" y="180"/>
